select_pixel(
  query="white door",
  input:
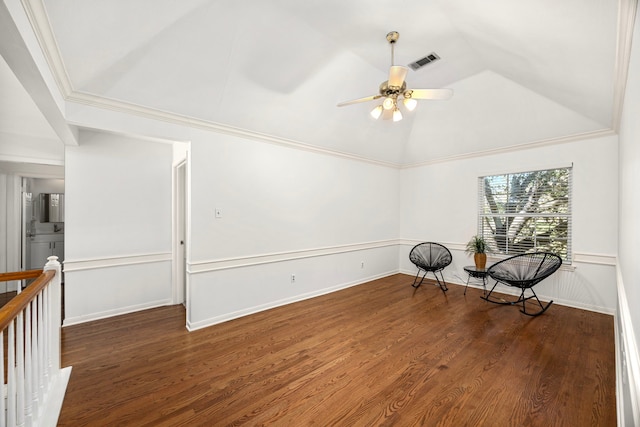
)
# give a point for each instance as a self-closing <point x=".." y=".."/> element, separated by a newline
<point x="181" y="231"/>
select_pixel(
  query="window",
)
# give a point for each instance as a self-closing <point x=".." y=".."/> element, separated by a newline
<point x="526" y="212"/>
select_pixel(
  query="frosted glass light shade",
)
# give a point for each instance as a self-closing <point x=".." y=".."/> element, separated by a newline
<point x="388" y="103"/>
<point x="410" y="103"/>
<point x="397" y="115"/>
<point x="376" y="112"/>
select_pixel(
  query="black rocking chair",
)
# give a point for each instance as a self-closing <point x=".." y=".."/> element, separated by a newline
<point x="430" y="257"/>
<point x="524" y="272"/>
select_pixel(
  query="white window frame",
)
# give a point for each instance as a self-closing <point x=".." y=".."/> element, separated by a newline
<point x="485" y="231"/>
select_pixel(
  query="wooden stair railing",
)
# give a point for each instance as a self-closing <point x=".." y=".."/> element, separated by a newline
<point x="32" y="380"/>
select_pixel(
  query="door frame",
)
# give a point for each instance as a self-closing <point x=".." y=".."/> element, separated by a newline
<point x="180" y="232"/>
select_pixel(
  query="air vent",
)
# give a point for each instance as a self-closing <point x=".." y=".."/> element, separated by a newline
<point x="424" y="61"/>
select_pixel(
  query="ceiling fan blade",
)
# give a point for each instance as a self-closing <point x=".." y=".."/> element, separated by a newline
<point x="397" y="73"/>
<point x="431" y="93"/>
<point x="356" y="101"/>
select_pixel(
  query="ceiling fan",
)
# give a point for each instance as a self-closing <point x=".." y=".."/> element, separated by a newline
<point x="396" y="88"/>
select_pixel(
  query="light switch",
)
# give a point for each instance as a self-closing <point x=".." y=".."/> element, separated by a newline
<point x="218" y="213"/>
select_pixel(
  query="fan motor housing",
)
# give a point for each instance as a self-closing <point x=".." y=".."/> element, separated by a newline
<point x="392" y="91"/>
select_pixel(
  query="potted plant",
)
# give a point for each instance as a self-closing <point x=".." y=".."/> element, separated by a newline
<point x="477" y="247"/>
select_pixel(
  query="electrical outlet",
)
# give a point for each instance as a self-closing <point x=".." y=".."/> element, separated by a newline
<point x="293" y="278"/>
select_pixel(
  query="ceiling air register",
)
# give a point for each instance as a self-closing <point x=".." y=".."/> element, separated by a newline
<point x="395" y="89"/>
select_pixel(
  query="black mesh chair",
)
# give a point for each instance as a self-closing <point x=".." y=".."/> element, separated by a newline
<point x="430" y="257"/>
<point x="524" y="272"/>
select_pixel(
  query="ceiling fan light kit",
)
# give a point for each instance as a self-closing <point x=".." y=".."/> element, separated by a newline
<point x="376" y="112"/>
<point x="396" y="87"/>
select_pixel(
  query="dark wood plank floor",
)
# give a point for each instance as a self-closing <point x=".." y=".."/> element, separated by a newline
<point x="376" y="354"/>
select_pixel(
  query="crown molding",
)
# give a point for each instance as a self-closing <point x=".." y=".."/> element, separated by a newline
<point x="626" y="22"/>
<point x="515" y="148"/>
<point x="192" y="122"/>
<point x="39" y="20"/>
<point x="36" y="13"/>
<point x="210" y="126"/>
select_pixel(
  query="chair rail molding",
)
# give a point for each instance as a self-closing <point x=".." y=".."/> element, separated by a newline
<point x="116" y="261"/>
<point x="245" y="261"/>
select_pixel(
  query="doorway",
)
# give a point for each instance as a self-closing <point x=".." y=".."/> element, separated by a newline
<point x="180" y="233"/>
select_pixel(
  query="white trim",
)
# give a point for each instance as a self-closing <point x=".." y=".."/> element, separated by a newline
<point x="515" y="148"/>
<point x="36" y="160"/>
<point x="626" y="22"/>
<point x="192" y="122"/>
<point x="245" y="261"/>
<point x="600" y="259"/>
<point x="154" y="114"/>
<point x="450" y="245"/>
<point x="507" y="290"/>
<point x="119" y="261"/>
<point x="263" y="307"/>
<point x="179" y="293"/>
<point x="630" y="354"/>
<point x="511" y="170"/>
<point x="69" y="321"/>
<point x="578" y="257"/>
<point x="36" y="13"/>
<point x="147" y="138"/>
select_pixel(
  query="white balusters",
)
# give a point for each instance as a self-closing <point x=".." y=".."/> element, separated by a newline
<point x="34" y="384"/>
<point x="35" y="372"/>
<point x="11" y="376"/>
<point x="28" y="368"/>
<point x="20" y="350"/>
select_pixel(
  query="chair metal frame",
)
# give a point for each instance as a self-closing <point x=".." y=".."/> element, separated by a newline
<point x="526" y="271"/>
<point x="442" y="259"/>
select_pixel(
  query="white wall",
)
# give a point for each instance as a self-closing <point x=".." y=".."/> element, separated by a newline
<point x="439" y="203"/>
<point x="118" y="226"/>
<point x="284" y="211"/>
<point x="628" y="320"/>
<point x="10" y="246"/>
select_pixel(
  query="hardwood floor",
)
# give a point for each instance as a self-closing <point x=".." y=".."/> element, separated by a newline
<point x="5" y="297"/>
<point x="375" y="354"/>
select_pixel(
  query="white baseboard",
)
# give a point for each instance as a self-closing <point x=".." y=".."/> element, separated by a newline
<point x="503" y="289"/>
<point x="252" y="310"/>
<point x="116" y="312"/>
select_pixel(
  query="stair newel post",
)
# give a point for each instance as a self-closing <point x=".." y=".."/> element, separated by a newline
<point x="54" y="314"/>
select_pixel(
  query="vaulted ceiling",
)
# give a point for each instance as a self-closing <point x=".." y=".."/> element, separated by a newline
<point x="521" y="72"/>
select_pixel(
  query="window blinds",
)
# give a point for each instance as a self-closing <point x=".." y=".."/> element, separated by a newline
<point x="526" y="212"/>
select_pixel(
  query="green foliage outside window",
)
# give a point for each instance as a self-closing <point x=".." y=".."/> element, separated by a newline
<point x="527" y="212"/>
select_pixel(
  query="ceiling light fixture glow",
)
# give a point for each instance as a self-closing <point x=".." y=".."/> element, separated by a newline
<point x="388" y="103"/>
<point x="376" y="112"/>
<point x="410" y="103"/>
<point x="397" y="115"/>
